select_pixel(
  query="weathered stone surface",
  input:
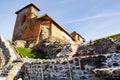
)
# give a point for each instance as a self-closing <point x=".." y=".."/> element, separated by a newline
<point x="110" y="67"/>
<point x="55" y="69"/>
<point x="20" y="43"/>
<point x="7" y="50"/>
<point x="69" y="50"/>
<point x="89" y="66"/>
<point x="108" y="73"/>
<point x="51" y="46"/>
<point x="8" y="58"/>
<point x="103" y="46"/>
<point x="77" y="68"/>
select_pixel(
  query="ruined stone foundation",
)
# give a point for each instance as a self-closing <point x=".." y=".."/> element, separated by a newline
<point x="86" y="67"/>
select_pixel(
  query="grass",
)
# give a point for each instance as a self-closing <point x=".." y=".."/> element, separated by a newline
<point x="115" y="36"/>
<point x="31" y="53"/>
<point x="97" y="40"/>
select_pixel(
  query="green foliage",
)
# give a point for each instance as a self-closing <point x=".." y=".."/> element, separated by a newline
<point x="31" y="53"/>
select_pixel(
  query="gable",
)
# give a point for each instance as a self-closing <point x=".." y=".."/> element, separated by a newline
<point x="46" y="17"/>
<point x="74" y="33"/>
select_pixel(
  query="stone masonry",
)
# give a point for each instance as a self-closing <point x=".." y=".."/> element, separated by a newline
<point x="87" y="67"/>
<point x="33" y="28"/>
<point x="77" y="68"/>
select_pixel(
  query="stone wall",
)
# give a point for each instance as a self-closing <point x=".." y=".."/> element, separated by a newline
<point x="76" y="68"/>
<point x="7" y="50"/>
<point x="57" y="69"/>
<point x="99" y="66"/>
<point x="61" y="68"/>
<point x="110" y="67"/>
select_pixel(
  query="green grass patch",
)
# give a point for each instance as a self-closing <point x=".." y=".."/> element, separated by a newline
<point x="115" y="36"/>
<point x="97" y="40"/>
<point x="31" y="53"/>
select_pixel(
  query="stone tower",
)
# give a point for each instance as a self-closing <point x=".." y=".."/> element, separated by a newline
<point x="24" y="17"/>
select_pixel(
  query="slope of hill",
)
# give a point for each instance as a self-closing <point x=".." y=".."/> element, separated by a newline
<point x="114" y="36"/>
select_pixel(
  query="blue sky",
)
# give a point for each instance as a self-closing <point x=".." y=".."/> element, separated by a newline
<point x="91" y="18"/>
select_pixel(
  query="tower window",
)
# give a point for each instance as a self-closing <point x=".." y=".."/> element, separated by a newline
<point x="23" y="19"/>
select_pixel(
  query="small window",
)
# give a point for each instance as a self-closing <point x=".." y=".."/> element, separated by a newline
<point x="23" y="19"/>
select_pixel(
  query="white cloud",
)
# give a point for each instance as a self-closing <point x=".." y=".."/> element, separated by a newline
<point x="102" y="15"/>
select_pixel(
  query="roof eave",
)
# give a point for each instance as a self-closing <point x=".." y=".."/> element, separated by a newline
<point x="32" y="4"/>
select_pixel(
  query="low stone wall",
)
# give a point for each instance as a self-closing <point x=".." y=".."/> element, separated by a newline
<point x="110" y="68"/>
<point x="76" y="68"/>
<point x="59" y="69"/>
